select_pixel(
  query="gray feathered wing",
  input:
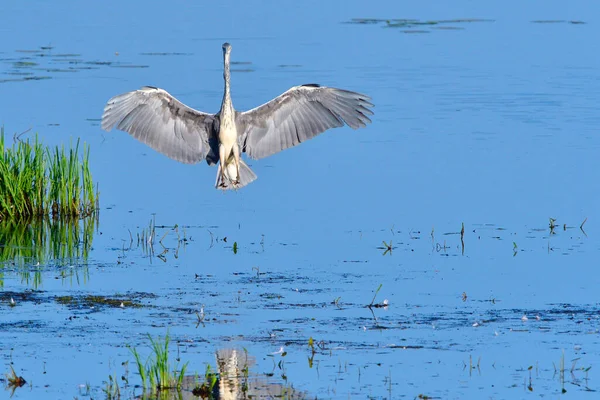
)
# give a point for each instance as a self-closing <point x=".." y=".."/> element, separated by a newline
<point x="297" y="115"/>
<point x="159" y="120"/>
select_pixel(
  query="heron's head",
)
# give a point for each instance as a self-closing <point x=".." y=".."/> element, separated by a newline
<point x="226" y="48"/>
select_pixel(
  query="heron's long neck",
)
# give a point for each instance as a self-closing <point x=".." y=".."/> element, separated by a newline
<point x="226" y="75"/>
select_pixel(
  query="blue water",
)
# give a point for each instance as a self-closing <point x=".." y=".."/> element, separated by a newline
<point x="493" y="124"/>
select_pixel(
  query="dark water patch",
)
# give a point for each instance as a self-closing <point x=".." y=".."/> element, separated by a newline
<point x="288" y="306"/>
<point x="464" y="20"/>
<point x="449" y="28"/>
<point x="165" y="54"/>
<point x="414" y="31"/>
<point x="187" y="226"/>
<point x="271" y="278"/>
<point x="406" y="347"/>
<point x="309" y="290"/>
<point x="22" y="324"/>
<point x="69" y="61"/>
<point x="108" y="63"/>
<point x="14" y="298"/>
<point x="57" y="70"/>
<point x="114" y="65"/>
<point x="271" y="296"/>
<point x="28" y="51"/>
<point x="417" y="26"/>
<point x="65" y="55"/>
<point x="43" y="59"/>
<point x="83" y="68"/>
<point x="365" y="21"/>
<point x="25" y="79"/>
<point x="19" y="73"/>
<point x="558" y="21"/>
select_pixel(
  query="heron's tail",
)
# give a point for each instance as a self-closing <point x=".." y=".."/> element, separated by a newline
<point x="246" y="176"/>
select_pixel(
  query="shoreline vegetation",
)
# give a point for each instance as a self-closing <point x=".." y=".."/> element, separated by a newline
<point x="37" y="181"/>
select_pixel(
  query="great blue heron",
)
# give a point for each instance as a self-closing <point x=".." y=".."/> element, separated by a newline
<point x="158" y="119"/>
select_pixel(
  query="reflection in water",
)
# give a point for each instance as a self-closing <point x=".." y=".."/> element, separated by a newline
<point x="27" y="248"/>
<point x="236" y="381"/>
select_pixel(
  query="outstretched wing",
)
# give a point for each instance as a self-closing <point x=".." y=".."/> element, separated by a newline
<point x="158" y="119"/>
<point x="297" y="115"/>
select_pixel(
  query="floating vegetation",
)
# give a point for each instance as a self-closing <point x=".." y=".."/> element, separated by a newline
<point x="407" y="25"/>
<point x="90" y="301"/>
<point x="35" y="181"/>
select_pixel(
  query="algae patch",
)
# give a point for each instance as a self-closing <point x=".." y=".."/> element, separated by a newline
<point x="99" y="301"/>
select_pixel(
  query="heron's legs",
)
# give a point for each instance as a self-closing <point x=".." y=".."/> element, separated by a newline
<point x="223" y="162"/>
<point x="236" y="159"/>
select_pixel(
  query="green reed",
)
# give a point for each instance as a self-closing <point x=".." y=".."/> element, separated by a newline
<point x="157" y="373"/>
<point x="36" y="181"/>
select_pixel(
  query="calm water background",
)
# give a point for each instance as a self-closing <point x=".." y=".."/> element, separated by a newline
<point x="493" y="124"/>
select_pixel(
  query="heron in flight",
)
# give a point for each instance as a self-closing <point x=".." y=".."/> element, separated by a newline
<point x="159" y="120"/>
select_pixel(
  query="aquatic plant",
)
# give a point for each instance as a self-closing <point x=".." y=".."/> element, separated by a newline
<point x="375" y="295"/>
<point x="206" y="389"/>
<point x="36" y="181"/>
<point x="156" y="373"/>
<point x="112" y="390"/>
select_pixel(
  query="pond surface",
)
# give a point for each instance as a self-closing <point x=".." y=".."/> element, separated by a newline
<point x="485" y="115"/>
